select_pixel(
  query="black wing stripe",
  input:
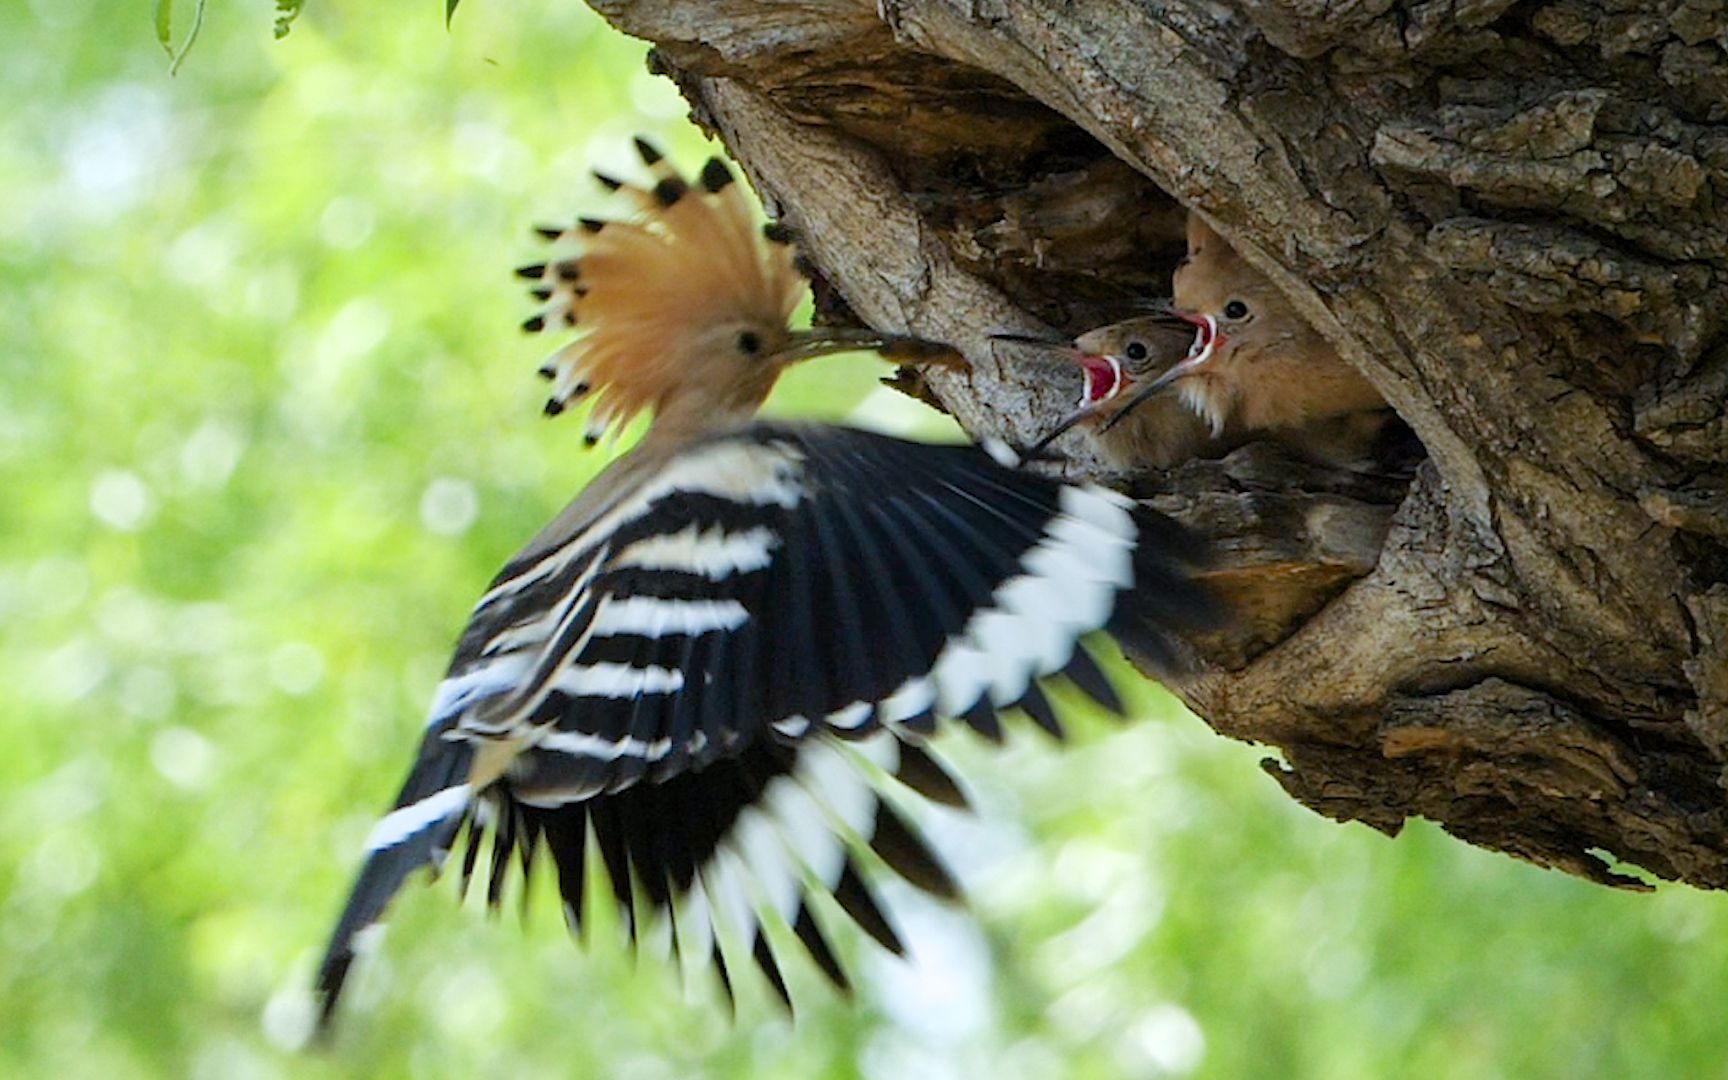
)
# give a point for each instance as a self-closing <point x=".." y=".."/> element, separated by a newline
<point x="921" y="771"/>
<point x="738" y="699"/>
<point x="844" y="639"/>
<point x="905" y="852"/>
<point x="701" y="657"/>
<point x="609" y="836"/>
<point x="788" y="630"/>
<point x="820" y="951"/>
<point x="939" y="593"/>
<point x="1036" y="706"/>
<point x="471" y="854"/>
<point x="541" y="573"/>
<point x="504" y="842"/>
<point x="898" y="626"/>
<point x="861" y="905"/>
<point x="981" y="717"/>
<point x="565" y="833"/>
<point x="771" y="969"/>
<point x="1083" y="671"/>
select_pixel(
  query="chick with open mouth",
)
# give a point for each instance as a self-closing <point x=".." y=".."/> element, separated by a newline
<point x="1120" y="363"/>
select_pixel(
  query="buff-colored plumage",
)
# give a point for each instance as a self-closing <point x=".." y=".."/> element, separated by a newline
<point x="675" y="307"/>
<point x="1272" y="371"/>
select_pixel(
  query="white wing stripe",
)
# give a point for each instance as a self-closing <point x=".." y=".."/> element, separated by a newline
<point x="850" y="717"/>
<point x="611" y="680"/>
<point x="496" y="676"/>
<point x="839" y="784"/>
<point x="712" y="553"/>
<point x="759" y="848"/>
<point x="799" y="818"/>
<point x="1067" y="587"/>
<point x="749" y="473"/>
<point x="655" y="617"/>
<point x="578" y="744"/>
<point x="910" y="699"/>
<point x="754" y="473"/>
<point x="406" y="821"/>
<point x="724" y="878"/>
<point x="549" y="566"/>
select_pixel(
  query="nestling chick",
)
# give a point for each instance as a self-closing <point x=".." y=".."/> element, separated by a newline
<point x="1257" y="365"/>
<point x="1116" y="360"/>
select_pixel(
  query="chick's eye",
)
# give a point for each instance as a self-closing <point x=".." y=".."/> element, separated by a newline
<point x="749" y="343"/>
<point x="1235" y="309"/>
<point x="1136" y="350"/>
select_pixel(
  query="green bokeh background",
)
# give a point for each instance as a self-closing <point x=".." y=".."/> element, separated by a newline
<point x="266" y="430"/>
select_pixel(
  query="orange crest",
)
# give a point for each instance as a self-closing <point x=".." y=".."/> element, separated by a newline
<point x="640" y="291"/>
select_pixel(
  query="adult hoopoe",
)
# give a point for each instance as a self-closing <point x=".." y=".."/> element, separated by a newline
<point x="688" y="666"/>
<point x="1256" y="365"/>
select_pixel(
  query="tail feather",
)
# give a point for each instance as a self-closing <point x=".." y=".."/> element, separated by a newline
<point x="418" y="832"/>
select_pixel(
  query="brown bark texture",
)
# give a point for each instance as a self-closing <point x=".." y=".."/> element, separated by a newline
<point x="1511" y="216"/>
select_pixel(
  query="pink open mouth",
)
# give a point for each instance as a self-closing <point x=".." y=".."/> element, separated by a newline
<point x="1206" y="338"/>
<point x="1103" y="379"/>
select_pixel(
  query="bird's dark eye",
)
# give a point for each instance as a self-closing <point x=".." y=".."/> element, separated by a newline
<point x="749" y="343"/>
<point x="1136" y="350"/>
<point x="1235" y="309"/>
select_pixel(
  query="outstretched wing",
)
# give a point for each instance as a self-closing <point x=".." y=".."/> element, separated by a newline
<point x="686" y="675"/>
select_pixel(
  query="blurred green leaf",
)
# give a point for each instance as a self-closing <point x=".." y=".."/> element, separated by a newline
<point x="165" y="31"/>
<point x="165" y="25"/>
<point x="450" y="10"/>
<point x="286" y="12"/>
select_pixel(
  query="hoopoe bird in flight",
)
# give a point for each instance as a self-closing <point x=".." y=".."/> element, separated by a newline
<point x="718" y="663"/>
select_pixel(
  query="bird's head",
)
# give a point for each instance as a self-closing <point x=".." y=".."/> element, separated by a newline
<point x="1124" y="357"/>
<point x="1213" y="280"/>
<point x="1269" y="367"/>
<point x="1115" y="362"/>
<point x="681" y="308"/>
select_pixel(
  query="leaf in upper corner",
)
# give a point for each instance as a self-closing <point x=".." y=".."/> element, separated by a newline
<point x="165" y="25"/>
<point x="286" y="12"/>
<point x="449" y="11"/>
<point x="164" y="22"/>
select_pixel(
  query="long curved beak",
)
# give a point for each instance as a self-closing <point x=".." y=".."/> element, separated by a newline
<point x="899" y="348"/>
<point x="1205" y="347"/>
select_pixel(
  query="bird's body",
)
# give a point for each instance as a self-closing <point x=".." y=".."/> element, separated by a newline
<point x="686" y="666"/>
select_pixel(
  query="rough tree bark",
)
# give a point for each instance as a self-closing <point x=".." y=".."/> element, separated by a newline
<point x="1512" y="216"/>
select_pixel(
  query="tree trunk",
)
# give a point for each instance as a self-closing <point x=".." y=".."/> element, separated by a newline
<point x="1512" y="217"/>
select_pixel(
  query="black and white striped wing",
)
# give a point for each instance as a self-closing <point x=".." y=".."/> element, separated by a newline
<point x="691" y="676"/>
<point x="789" y="579"/>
